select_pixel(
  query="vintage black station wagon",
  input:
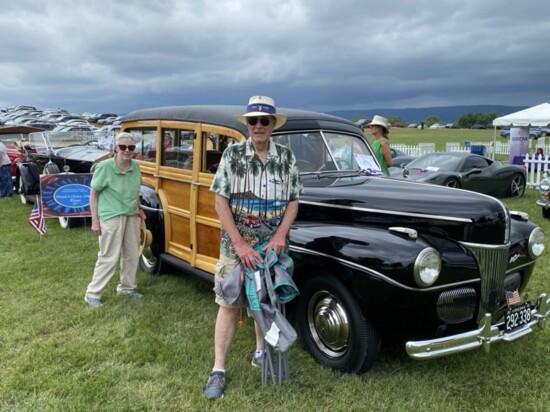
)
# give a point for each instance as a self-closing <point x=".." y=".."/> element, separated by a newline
<point x="443" y="268"/>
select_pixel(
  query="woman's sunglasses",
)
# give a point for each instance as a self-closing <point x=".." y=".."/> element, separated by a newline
<point x="130" y="147"/>
<point x="265" y="121"/>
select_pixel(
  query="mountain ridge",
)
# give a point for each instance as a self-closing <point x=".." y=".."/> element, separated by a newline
<point x="447" y="114"/>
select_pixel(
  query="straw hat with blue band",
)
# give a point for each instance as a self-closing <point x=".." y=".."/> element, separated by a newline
<point x="262" y="106"/>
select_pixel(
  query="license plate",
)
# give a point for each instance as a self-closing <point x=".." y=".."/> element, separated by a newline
<point x="517" y="317"/>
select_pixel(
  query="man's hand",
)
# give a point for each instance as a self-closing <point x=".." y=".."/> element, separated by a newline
<point x="247" y="254"/>
<point x="277" y="243"/>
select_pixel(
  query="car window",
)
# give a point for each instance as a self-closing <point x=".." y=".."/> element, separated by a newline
<point x="324" y="151"/>
<point x="474" y="162"/>
<point x="213" y="146"/>
<point x="146" y="144"/>
<point x="177" y="146"/>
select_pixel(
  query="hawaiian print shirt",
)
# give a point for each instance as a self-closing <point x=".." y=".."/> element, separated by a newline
<point x="258" y="193"/>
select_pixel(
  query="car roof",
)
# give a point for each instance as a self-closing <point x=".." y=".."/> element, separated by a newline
<point x="225" y="116"/>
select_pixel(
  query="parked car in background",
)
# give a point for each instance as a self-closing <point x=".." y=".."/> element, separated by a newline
<point x="412" y="125"/>
<point x="467" y="171"/>
<point x="450" y="126"/>
<point x="14" y="138"/>
<point x="374" y="256"/>
<point x="362" y="122"/>
<point x="51" y="153"/>
<point x="479" y="126"/>
<point x="437" y="126"/>
<point x="98" y="116"/>
<point x="543" y="199"/>
<point x="534" y="133"/>
<point x="399" y="158"/>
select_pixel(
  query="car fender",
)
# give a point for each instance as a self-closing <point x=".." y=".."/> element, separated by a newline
<point x="152" y="206"/>
<point x="30" y="175"/>
<point x="356" y="254"/>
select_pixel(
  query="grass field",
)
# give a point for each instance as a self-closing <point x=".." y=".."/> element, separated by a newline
<point x="155" y="354"/>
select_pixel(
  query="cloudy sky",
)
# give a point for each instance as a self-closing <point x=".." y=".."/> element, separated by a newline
<point x="117" y="56"/>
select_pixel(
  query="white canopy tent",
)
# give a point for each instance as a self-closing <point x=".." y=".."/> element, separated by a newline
<point x="538" y="116"/>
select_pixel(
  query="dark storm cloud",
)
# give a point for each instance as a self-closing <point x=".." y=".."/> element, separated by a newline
<point x="322" y="55"/>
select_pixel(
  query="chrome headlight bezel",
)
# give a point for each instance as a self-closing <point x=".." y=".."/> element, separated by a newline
<point x="427" y="267"/>
<point x="544" y="185"/>
<point x="536" y="242"/>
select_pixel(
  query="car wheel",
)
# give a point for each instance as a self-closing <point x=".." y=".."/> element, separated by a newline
<point x="517" y="186"/>
<point x="333" y="328"/>
<point x="546" y="213"/>
<point x="452" y="182"/>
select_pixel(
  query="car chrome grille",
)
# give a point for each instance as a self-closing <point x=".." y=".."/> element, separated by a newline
<point x="492" y="261"/>
<point x="457" y="305"/>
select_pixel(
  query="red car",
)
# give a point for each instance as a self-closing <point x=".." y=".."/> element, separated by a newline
<point x="13" y="135"/>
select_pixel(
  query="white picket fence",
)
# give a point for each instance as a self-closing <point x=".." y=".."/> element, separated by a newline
<point x="537" y="168"/>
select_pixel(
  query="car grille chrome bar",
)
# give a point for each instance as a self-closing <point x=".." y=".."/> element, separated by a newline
<point x="492" y="261"/>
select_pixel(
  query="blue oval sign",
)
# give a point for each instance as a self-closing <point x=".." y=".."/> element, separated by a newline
<point x="73" y="196"/>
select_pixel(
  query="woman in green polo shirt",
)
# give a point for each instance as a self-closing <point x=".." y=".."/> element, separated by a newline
<point x="116" y="213"/>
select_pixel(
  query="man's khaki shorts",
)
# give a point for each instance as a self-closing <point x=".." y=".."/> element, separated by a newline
<point x="224" y="267"/>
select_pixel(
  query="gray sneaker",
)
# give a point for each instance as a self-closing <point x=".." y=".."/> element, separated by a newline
<point x="93" y="302"/>
<point x="215" y="386"/>
<point x="133" y="295"/>
<point x="257" y="360"/>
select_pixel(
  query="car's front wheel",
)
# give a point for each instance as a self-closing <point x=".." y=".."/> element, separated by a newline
<point x="517" y="186"/>
<point x="333" y="327"/>
<point x="452" y="182"/>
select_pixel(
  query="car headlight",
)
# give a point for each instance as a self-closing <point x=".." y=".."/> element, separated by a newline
<point x="536" y="242"/>
<point x="427" y="267"/>
<point x="544" y="185"/>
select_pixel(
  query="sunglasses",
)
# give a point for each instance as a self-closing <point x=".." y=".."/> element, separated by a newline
<point x="265" y="121"/>
<point x="130" y="147"/>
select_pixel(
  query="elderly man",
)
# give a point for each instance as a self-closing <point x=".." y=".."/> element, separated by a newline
<point x="245" y="206"/>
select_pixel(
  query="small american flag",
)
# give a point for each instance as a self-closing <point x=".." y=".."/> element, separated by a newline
<point x="36" y="220"/>
<point x="513" y="298"/>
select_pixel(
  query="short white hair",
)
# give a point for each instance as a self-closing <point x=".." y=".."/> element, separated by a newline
<point x="124" y="135"/>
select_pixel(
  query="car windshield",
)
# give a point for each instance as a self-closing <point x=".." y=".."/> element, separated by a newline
<point x="42" y="141"/>
<point x="436" y="162"/>
<point x="11" y="139"/>
<point x="328" y="151"/>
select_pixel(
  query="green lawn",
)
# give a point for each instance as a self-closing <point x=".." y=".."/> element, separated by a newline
<point x="155" y="354"/>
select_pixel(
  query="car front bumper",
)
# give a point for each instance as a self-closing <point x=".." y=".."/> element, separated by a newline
<point x="485" y="336"/>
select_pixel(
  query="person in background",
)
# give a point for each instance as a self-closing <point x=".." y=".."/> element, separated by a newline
<point x="379" y="128"/>
<point x="268" y="181"/>
<point x="539" y="152"/>
<point x="6" y="183"/>
<point x="116" y="218"/>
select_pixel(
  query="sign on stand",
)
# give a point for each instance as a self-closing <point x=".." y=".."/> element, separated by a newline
<point x="66" y="194"/>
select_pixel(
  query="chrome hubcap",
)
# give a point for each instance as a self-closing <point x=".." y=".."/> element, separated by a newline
<point x="328" y="324"/>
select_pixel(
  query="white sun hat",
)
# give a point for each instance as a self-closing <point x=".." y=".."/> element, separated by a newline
<point x="262" y="106"/>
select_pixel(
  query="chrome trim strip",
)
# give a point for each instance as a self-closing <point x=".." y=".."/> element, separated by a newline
<point x="492" y="261"/>
<point x="380" y="275"/>
<point x="387" y="212"/>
